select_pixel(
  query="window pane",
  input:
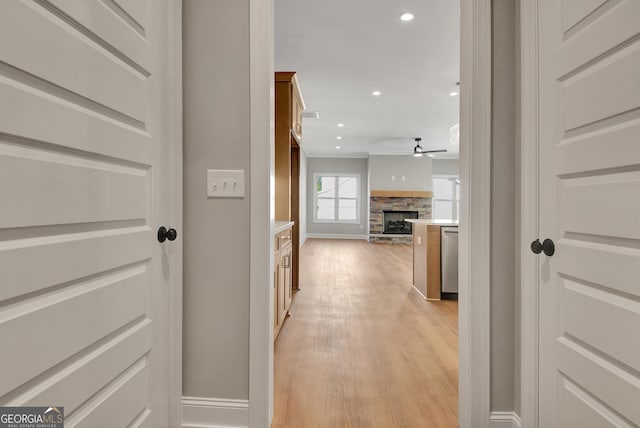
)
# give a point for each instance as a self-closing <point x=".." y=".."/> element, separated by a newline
<point x="458" y="191"/>
<point x="347" y="209"/>
<point x="442" y="188"/>
<point x="326" y="209"/>
<point x="326" y="187"/>
<point x="348" y="187"/>
<point x="457" y="211"/>
<point x="442" y="210"/>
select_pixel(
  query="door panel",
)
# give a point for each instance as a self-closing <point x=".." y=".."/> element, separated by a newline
<point x="107" y="28"/>
<point x="82" y="69"/>
<point x="84" y="168"/>
<point x="68" y="257"/>
<point x="602" y="332"/>
<point x="590" y="204"/>
<point x="600" y="376"/>
<point x="64" y="125"/>
<point x="606" y="89"/>
<point x="603" y="32"/>
<point x="589" y="185"/>
<point x="98" y="303"/>
<point x="79" y="190"/>
<point x="580" y="409"/>
<point x="91" y="372"/>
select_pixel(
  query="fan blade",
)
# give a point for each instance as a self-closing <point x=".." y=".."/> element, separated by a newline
<point x="434" y="151"/>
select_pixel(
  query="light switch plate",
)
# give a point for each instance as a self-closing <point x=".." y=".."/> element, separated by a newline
<point x="223" y="183"/>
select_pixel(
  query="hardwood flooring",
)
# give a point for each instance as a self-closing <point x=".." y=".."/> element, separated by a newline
<point x="362" y="348"/>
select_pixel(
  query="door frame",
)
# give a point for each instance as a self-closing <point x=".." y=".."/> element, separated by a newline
<point x="529" y="216"/>
<point x="174" y="100"/>
<point x="475" y="230"/>
<point x="474" y="310"/>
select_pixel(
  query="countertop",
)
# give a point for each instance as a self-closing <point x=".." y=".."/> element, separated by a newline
<point x="435" y="222"/>
<point x="282" y="225"/>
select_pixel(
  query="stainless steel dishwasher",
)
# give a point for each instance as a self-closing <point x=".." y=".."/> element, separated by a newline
<point x="449" y="259"/>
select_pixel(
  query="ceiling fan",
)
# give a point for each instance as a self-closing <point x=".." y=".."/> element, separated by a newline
<point x="419" y="152"/>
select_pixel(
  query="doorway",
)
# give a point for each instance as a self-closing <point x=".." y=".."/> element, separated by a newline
<point x="475" y="121"/>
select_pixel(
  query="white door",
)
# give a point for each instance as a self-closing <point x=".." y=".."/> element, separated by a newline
<point x="589" y="289"/>
<point x="84" y="158"/>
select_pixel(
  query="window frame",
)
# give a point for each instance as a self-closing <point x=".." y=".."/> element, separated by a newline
<point x="336" y="176"/>
<point x="455" y="182"/>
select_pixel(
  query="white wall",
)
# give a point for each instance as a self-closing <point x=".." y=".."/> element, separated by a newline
<point x="303" y="195"/>
<point x="216" y="231"/>
<point x="386" y="173"/>
<point x="346" y="166"/>
<point x="445" y="167"/>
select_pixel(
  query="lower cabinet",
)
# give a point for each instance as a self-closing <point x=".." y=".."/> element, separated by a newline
<point x="282" y="292"/>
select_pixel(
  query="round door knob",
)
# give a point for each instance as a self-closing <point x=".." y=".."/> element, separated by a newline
<point x="164" y="234"/>
<point x="536" y="246"/>
<point x="547" y="246"/>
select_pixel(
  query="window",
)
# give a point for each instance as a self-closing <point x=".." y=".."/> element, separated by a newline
<point x="446" y="198"/>
<point x="336" y="197"/>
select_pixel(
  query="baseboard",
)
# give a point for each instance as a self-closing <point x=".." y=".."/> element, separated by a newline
<point x="505" y="420"/>
<point x="419" y="292"/>
<point x="336" y="236"/>
<point x="201" y="412"/>
<point x="303" y="239"/>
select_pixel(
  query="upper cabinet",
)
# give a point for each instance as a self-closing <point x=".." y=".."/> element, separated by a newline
<point x="288" y="133"/>
<point x="296" y="109"/>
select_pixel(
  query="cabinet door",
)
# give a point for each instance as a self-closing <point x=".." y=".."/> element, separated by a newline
<point x="296" y="111"/>
<point x="281" y="310"/>
<point x="286" y="262"/>
<point x="276" y="280"/>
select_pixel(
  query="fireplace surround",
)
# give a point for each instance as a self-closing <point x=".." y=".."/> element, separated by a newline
<point x="395" y="202"/>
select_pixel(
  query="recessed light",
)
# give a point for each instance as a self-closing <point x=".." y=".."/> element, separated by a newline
<point x="340" y="125"/>
<point x="453" y="94"/>
<point x="338" y="147"/>
<point x="407" y="16"/>
<point x="430" y="155"/>
<point x="376" y="93"/>
<point x="338" y="138"/>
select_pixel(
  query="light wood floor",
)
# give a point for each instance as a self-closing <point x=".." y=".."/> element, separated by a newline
<point x="362" y="348"/>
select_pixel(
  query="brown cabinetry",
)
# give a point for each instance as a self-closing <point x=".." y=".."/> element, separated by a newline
<point x="426" y="260"/>
<point x="289" y="106"/>
<point x="281" y="279"/>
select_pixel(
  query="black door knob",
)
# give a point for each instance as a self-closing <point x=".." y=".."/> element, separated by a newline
<point x="536" y="246"/>
<point x="164" y="234"/>
<point x="547" y="246"/>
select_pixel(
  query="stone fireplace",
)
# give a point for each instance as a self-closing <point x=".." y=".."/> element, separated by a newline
<point x="389" y="211"/>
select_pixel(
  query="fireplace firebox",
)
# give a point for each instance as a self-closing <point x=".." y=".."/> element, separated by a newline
<point x="395" y="222"/>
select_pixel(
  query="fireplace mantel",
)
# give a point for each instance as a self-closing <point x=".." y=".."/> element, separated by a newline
<point x="401" y="194"/>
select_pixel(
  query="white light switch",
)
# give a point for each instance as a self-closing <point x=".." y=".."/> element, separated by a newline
<point x="225" y="183"/>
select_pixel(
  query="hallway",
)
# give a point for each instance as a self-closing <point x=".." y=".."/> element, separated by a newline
<point x="362" y="348"/>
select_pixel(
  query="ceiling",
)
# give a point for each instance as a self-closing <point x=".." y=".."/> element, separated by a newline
<point x="343" y="50"/>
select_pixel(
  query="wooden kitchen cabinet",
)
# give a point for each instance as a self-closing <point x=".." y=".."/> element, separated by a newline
<point x="282" y="292"/>
<point x="426" y="259"/>
<point x="289" y="105"/>
<point x="276" y="283"/>
<point x="285" y="263"/>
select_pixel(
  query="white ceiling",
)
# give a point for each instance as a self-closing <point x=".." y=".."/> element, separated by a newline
<point x="343" y="50"/>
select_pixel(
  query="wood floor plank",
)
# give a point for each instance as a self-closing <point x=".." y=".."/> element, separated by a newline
<point x="362" y="348"/>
